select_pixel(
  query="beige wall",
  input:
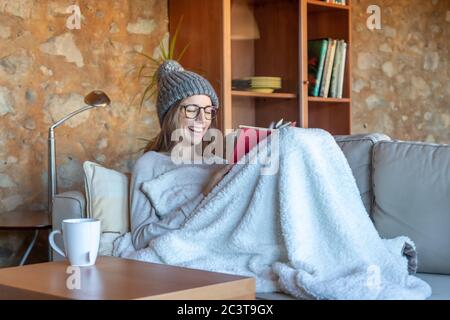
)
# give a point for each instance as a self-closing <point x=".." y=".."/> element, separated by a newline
<point x="401" y="73"/>
<point x="46" y="69"/>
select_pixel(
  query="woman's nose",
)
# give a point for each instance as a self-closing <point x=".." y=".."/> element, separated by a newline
<point x="201" y="116"/>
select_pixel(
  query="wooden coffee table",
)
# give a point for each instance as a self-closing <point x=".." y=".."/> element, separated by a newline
<point x="120" y="279"/>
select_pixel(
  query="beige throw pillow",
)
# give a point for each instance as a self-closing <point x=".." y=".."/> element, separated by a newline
<point x="107" y="197"/>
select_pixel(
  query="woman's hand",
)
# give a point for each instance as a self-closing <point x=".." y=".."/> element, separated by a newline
<point x="215" y="179"/>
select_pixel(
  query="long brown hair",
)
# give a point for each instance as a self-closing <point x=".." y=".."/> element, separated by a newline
<point x="162" y="142"/>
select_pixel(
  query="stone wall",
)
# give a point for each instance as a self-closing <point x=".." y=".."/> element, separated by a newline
<point x="401" y="73"/>
<point x="45" y="71"/>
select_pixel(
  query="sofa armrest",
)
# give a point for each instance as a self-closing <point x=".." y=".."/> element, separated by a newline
<point x="67" y="205"/>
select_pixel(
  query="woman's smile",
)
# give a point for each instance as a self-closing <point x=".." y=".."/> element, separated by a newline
<point x="198" y="129"/>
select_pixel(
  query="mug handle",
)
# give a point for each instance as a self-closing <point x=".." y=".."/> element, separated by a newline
<point x="53" y="244"/>
<point x="91" y="257"/>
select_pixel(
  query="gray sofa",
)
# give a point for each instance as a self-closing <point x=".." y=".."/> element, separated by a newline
<point x="405" y="186"/>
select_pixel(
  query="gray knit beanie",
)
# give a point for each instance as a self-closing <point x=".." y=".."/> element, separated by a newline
<point x="175" y="83"/>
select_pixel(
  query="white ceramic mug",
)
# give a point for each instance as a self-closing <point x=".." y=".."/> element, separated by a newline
<point x="81" y="240"/>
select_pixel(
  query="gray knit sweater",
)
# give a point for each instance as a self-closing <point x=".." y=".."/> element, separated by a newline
<point x="145" y="222"/>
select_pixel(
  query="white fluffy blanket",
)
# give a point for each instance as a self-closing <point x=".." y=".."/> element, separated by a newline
<point x="303" y="230"/>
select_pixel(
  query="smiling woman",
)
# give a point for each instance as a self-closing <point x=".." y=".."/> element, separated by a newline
<point x="187" y="107"/>
<point x="186" y="101"/>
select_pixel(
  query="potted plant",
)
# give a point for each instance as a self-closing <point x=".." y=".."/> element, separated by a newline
<point x="148" y="69"/>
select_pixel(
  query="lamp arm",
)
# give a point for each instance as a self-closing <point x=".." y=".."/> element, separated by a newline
<point x="70" y="115"/>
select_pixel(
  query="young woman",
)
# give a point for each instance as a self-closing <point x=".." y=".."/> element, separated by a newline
<point x="187" y="103"/>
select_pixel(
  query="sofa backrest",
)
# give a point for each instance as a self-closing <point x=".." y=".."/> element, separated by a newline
<point x="411" y="185"/>
<point x="405" y="186"/>
<point x="358" y="151"/>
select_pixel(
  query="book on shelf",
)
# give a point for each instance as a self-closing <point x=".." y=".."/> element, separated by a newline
<point x="324" y="70"/>
<point x="317" y="50"/>
<point x="325" y="87"/>
<point x="241" y="84"/>
<point x="326" y="67"/>
<point x="342" y="70"/>
<point x="336" y="69"/>
<point x="343" y="2"/>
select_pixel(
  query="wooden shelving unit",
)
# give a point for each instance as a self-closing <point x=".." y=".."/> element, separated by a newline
<point x="285" y="26"/>
<point x="327" y="20"/>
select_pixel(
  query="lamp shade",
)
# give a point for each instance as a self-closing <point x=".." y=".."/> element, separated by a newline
<point x="243" y="22"/>
<point x="97" y="98"/>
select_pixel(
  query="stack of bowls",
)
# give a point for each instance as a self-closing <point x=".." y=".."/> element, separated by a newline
<point x="264" y="84"/>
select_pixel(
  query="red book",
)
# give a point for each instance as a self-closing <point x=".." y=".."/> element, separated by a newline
<point x="248" y="138"/>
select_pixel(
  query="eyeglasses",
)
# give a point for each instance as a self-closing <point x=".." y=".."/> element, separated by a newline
<point x="192" y="111"/>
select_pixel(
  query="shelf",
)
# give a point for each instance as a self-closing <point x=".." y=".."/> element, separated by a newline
<point x="275" y="95"/>
<point x="330" y="100"/>
<point x="317" y="6"/>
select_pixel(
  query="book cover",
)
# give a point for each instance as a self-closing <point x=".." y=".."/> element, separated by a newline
<point x="342" y="71"/>
<point x="317" y="51"/>
<point x="248" y="137"/>
<point x="336" y="70"/>
<point x="325" y="68"/>
<point x="329" y="66"/>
